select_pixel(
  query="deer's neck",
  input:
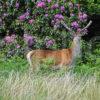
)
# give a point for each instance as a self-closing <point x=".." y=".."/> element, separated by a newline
<point x="76" y="47"/>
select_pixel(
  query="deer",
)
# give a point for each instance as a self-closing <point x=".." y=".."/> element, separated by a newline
<point x="63" y="57"/>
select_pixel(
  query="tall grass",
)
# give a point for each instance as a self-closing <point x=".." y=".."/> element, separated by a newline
<point x="32" y="87"/>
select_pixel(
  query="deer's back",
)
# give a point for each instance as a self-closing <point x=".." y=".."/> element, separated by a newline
<point x="60" y="56"/>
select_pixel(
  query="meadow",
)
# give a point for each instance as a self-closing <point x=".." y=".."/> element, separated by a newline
<point x="18" y="83"/>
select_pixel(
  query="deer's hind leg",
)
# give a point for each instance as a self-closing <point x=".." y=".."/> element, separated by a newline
<point x="35" y="64"/>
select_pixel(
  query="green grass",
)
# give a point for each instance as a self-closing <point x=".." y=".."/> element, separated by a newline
<point x="21" y="65"/>
<point x="32" y="87"/>
<point x="17" y="83"/>
<point x="15" y="63"/>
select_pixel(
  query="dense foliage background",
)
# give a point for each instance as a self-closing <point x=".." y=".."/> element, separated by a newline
<point x="33" y="24"/>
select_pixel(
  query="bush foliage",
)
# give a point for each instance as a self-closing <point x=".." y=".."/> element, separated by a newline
<point x="36" y="23"/>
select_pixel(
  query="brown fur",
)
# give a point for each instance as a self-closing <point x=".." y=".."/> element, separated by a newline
<point x="61" y="57"/>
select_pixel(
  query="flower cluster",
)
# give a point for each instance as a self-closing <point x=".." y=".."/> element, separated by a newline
<point x="82" y="16"/>
<point x="62" y="8"/>
<point x="31" y="21"/>
<point x="49" y="42"/>
<point x="49" y="1"/>
<point x="59" y="17"/>
<point x="17" y="5"/>
<point x="43" y="19"/>
<point x="55" y="6"/>
<point x="10" y="39"/>
<point x="29" y="39"/>
<point x="75" y="25"/>
<point x="23" y="16"/>
<point x="40" y="4"/>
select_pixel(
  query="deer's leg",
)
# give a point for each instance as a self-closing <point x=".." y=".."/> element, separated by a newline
<point x="58" y="66"/>
<point x="34" y="65"/>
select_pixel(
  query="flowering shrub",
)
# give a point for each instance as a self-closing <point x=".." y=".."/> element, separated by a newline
<point x="44" y="20"/>
<point x="75" y="25"/>
<point x="11" y="46"/>
<point x="40" y="4"/>
<point x="29" y="40"/>
<point x="49" y="42"/>
<point x="34" y="20"/>
<point x="10" y="39"/>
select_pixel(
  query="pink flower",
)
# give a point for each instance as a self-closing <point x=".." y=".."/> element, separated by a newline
<point x="22" y="17"/>
<point x="75" y="25"/>
<point x="49" y="1"/>
<point x="46" y="15"/>
<point x="5" y="14"/>
<point x="82" y="16"/>
<point x="13" y="36"/>
<point x="7" y="39"/>
<point x="49" y="42"/>
<point x="26" y="14"/>
<point x="62" y="8"/>
<point x="30" y="40"/>
<point x="55" y="6"/>
<point x="59" y="16"/>
<point x="31" y="21"/>
<point x="17" y="46"/>
<point x="40" y="4"/>
<point x="10" y="39"/>
<point x="17" y="5"/>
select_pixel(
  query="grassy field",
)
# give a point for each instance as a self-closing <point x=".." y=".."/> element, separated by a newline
<point x="28" y="86"/>
<point x="17" y="83"/>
